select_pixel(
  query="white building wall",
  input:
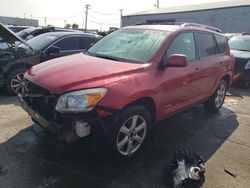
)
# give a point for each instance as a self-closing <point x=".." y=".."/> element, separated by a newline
<point x="18" y="21"/>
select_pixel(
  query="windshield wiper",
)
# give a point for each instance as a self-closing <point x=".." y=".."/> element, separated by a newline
<point x="104" y="56"/>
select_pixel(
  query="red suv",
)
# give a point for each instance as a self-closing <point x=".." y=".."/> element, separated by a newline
<point x="127" y="82"/>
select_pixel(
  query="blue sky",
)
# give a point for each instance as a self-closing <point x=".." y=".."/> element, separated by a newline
<point x="102" y="13"/>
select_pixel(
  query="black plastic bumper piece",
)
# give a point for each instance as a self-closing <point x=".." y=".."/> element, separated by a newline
<point x="52" y="127"/>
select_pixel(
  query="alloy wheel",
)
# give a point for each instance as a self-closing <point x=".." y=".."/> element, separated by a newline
<point x="131" y="135"/>
<point x="220" y="95"/>
<point x="18" y="84"/>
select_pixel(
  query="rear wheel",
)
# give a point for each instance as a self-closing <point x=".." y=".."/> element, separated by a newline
<point x="15" y="82"/>
<point x="216" y="101"/>
<point x="129" y="132"/>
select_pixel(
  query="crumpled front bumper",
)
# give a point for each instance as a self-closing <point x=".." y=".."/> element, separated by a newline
<point x="65" y="125"/>
<point x="53" y="127"/>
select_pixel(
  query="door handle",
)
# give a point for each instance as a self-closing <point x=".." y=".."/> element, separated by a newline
<point x="197" y="69"/>
<point x="185" y="82"/>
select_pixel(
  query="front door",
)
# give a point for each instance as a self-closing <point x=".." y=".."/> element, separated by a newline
<point x="68" y="45"/>
<point x="180" y="84"/>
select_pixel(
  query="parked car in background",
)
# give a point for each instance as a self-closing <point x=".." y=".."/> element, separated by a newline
<point x="16" y="29"/>
<point x="31" y="32"/>
<point x="240" y="47"/>
<point x="230" y="35"/>
<point x="17" y="55"/>
<point x="128" y="81"/>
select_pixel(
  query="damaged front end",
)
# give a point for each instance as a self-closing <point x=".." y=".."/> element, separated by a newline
<point x="45" y="110"/>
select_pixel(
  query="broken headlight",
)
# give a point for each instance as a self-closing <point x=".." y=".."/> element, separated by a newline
<point x="80" y="101"/>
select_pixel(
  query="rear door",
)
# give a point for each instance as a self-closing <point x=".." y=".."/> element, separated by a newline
<point x="211" y="63"/>
<point x="180" y="84"/>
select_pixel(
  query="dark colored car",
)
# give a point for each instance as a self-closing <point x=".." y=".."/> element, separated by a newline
<point x="240" y="47"/>
<point x="230" y="35"/>
<point x="31" y="32"/>
<point x="17" y="55"/>
<point x="16" y="29"/>
<point x="127" y="82"/>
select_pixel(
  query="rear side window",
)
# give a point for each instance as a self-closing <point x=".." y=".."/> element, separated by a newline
<point x="69" y="43"/>
<point x="89" y="41"/>
<point x="183" y="44"/>
<point x="206" y="44"/>
<point x="221" y="42"/>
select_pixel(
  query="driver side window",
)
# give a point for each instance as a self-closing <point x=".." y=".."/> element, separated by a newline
<point x="183" y="44"/>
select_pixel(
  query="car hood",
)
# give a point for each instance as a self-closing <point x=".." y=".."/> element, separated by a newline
<point x="8" y="35"/>
<point x="241" y="54"/>
<point x="80" y="71"/>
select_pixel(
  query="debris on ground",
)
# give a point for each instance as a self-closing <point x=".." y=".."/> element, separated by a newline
<point x="230" y="173"/>
<point x="185" y="171"/>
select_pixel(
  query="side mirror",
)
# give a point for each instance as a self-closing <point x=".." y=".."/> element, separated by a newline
<point x="176" y="60"/>
<point x="53" y="50"/>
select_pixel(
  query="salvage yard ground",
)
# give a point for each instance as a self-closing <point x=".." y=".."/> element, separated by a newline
<point x="30" y="159"/>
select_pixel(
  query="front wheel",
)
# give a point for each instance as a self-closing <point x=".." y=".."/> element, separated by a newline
<point x="216" y="101"/>
<point x="15" y="82"/>
<point x="129" y="132"/>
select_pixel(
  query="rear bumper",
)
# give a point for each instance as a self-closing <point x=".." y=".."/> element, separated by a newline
<point x="245" y="76"/>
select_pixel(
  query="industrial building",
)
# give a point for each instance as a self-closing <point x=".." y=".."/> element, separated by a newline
<point x="228" y="16"/>
<point x="18" y="21"/>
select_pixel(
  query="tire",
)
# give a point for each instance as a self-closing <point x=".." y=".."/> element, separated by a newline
<point x="129" y="133"/>
<point x="214" y="104"/>
<point x="15" y="78"/>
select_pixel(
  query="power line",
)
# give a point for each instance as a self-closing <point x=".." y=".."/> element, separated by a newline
<point x="96" y="22"/>
<point x="100" y="20"/>
<point x="102" y="13"/>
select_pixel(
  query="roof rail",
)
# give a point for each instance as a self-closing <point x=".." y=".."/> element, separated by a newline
<point x="158" y="23"/>
<point x="201" y="26"/>
<point x="181" y="24"/>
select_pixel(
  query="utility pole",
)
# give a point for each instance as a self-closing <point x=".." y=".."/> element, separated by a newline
<point x="158" y="4"/>
<point x="65" y="22"/>
<point x="120" y="17"/>
<point x="86" y="17"/>
<point x="45" y="21"/>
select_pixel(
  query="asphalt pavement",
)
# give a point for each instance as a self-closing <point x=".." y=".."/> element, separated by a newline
<point x="28" y="158"/>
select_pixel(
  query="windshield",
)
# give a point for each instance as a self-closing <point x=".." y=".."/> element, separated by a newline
<point x="24" y="33"/>
<point x="240" y="43"/>
<point x="41" y="41"/>
<point x="134" y="45"/>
